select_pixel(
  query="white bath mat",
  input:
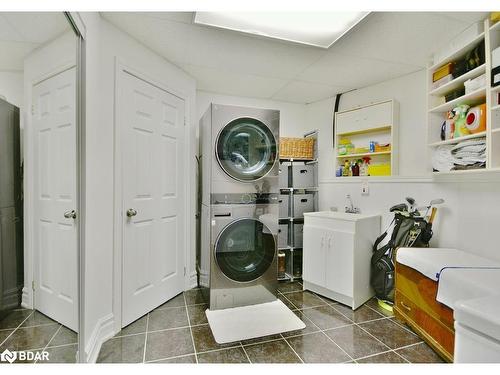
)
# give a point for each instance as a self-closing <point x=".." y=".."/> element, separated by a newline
<point x="248" y="322"/>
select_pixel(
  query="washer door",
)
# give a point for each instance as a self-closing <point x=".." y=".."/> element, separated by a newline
<point x="244" y="250"/>
<point x="246" y="149"/>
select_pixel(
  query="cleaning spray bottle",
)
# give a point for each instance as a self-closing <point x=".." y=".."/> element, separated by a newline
<point x="363" y="169"/>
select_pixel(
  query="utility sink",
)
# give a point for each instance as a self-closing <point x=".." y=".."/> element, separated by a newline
<point x="340" y="215"/>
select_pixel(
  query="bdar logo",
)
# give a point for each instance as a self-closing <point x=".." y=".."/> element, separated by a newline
<point x="8" y="356"/>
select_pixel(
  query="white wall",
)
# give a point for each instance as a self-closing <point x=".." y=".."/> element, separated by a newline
<point x="469" y="216"/>
<point x="105" y="43"/>
<point x="409" y="91"/>
<point x="292" y="116"/>
<point x="11" y="87"/>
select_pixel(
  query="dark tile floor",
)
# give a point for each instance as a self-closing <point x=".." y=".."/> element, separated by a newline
<point x="30" y="330"/>
<point x="178" y="332"/>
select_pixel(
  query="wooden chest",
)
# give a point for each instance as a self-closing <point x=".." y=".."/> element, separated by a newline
<point x="415" y="304"/>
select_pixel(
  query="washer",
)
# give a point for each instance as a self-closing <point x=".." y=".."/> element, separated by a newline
<point x="243" y="254"/>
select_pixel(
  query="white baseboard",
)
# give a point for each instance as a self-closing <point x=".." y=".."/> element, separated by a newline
<point x="193" y="282"/>
<point x="204" y="279"/>
<point x="27" y="301"/>
<point x="104" y="330"/>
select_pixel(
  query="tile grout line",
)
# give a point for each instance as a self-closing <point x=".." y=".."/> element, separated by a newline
<point x="358" y="325"/>
<point x="15" y="329"/>
<point x="293" y="350"/>
<point x="373" y="355"/>
<point x="394" y="321"/>
<point x="60" y="346"/>
<point x="328" y="337"/>
<point x="190" y="329"/>
<point x="395" y="352"/>
<point x="366" y="321"/>
<point x="375" y="337"/>
<point x="403" y="326"/>
<point x="167" y="358"/>
<point x="246" y="354"/>
<point x="145" y="339"/>
<point x="52" y="338"/>
<point x="219" y="349"/>
<point x="157" y="330"/>
<point x="259" y="342"/>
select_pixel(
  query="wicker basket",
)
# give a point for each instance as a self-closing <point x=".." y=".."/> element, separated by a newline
<point x="296" y="148"/>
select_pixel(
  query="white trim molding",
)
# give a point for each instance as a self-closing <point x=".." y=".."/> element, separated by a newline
<point x="103" y="330"/>
<point x="27" y="298"/>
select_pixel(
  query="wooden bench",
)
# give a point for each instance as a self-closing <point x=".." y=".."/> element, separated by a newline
<point x="415" y="304"/>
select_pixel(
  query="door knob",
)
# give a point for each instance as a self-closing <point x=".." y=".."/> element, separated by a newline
<point x="70" y="214"/>
<point x="131" y="212"/>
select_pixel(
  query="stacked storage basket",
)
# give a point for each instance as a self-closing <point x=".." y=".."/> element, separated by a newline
<point x="298" y="194"/>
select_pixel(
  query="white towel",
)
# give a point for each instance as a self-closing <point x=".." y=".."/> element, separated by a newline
<point x="466" y="283"/>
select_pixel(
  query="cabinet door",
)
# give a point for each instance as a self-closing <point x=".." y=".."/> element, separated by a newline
<point x="314" y="255"/>
<point x="339" y="247"/>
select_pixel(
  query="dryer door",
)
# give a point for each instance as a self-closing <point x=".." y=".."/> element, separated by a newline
<point x="245" y="250"/>
<point x="246" y="149"/>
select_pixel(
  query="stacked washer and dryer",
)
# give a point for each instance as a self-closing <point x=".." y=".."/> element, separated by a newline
<point x="239" y="210"/>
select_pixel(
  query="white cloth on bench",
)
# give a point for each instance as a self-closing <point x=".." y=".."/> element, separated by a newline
<point x="457" y="284"/>
<point x="431" y="261"/>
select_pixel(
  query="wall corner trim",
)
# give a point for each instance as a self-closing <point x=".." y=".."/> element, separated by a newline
<point x="103" y="330"/>
<point x="26" y="301"/>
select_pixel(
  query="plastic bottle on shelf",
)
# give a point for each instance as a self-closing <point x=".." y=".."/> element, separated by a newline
<point x="345" y="170"/>
<point x="355" y="168"/>
<point x="363" y="169"/>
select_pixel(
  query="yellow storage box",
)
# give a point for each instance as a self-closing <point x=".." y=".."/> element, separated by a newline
<point x="379" y="169"/>
<point x="442" y="72"/>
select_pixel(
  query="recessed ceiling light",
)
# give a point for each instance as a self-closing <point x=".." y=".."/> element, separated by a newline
<point x="320" y="29"/>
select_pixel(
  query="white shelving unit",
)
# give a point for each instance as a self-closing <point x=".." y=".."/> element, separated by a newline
<point x="437" y="110"/>
<point x="373" y="122"/>
<point x="293" y="251"/>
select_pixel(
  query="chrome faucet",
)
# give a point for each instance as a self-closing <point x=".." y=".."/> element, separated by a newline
<point x="351" y="209"/>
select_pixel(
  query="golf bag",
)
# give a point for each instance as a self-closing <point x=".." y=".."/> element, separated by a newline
<point x="408" y="231"/>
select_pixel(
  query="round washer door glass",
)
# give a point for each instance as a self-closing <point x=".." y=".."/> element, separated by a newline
<point x="245" y="250"/>
<point x="246" y="149"/>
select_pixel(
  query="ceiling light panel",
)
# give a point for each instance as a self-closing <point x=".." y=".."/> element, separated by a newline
<point x="319" y="29"/>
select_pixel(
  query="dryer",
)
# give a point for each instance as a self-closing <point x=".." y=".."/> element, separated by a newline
<point x="239" y="151"/>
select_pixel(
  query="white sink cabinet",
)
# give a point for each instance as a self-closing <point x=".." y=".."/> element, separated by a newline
<point x="336" y="255"/>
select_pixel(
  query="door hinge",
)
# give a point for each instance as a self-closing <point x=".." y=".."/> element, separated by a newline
<point x="33" y="285"/>
<point x="184" y="271"/>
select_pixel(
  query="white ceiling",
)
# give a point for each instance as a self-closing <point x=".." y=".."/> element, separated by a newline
<point x="22" y="32"/>
<point x="384" y="45"/>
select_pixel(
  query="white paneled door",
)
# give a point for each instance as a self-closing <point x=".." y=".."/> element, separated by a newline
<point x="154" y="192"/>
<point x="55" y="229"/>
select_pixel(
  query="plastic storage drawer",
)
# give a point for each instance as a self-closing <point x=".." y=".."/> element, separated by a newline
<point x="298" y="234"/>
<point x="303" y="176"/>
<point x="283" y="204"/>
<point x="283" y="236"/>
<point x="302" y="203"/>
<point x="283" y="175"/>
